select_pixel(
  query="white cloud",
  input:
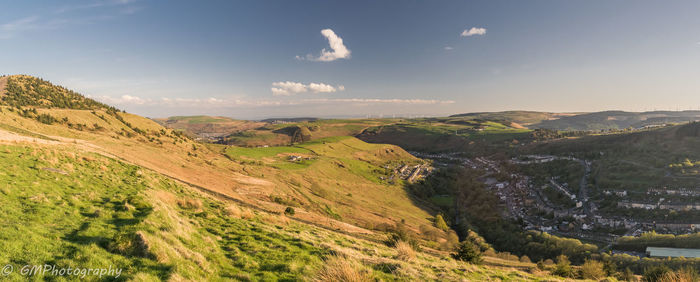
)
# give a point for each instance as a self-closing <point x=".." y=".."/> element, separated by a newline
<point x="124" y="100"/>
<point x="448" y="48"/>
<point x="289" y="88"/>
<point x="381" y="101"/>
<point x="201" y="105"/>
<point x="338" y="49"/>
<point x="473" y="31"/>
<point x="321" y="87"/>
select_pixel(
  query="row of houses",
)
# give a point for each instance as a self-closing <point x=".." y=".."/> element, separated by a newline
<point x="680" y="191"/>
<point x="659" y="205"/>
<point x="670" y="226"/>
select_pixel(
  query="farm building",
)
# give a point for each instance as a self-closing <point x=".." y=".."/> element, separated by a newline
<point x="672" y="252"/>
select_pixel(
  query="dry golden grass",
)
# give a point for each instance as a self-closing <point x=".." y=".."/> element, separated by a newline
<point x="233" y="211"/>
<point x="683" y="275"/>
<point x="190" y="204"/>
<point x="340" y="269"/>
<point x="404" y="251"/>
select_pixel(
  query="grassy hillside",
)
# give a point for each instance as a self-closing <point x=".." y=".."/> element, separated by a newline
<point x="143" y="142"/>
<point x="447" y="134"/>
<point x="341" y="177"/>
<point x="99" y="187"/>
<point x="80" y="209"/>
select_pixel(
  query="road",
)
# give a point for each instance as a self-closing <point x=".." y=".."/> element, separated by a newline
<point x="583" y="188"/>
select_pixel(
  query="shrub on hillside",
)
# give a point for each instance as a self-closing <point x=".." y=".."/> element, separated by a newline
<point x="592" y="269"/>
<point x="469" y="252"/>
<point x="654" y="274"/>
<point x="440" y="223"/>
<point x="289" y="211"/>
<point x="563" y="267"/>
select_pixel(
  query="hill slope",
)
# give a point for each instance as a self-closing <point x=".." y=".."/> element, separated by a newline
<point x="80" y="209"/>
<point x="96" y="187"/>
<point x="618" y="120"/>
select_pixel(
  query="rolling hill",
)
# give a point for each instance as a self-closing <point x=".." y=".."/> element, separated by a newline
<point x="521" y="117"/>
<point x="82" y="183"/>
<point x="618" y="120"/>
<point x="596" y="121"/>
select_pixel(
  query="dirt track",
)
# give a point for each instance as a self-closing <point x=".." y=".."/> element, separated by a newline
<point x="9" y="137"/>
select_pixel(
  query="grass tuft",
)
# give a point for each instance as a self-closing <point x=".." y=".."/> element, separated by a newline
<point x="404" y="251"/>
<point x="342" y="269"/>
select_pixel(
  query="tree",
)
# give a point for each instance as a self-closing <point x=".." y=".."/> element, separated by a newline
<point x="440" y="223"/>
<point x="469" y="252"/>
<point x="563" y="267"/>
<point x="592" y="269"/>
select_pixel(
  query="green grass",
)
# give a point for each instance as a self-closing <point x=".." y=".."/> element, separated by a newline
<point x="92" y="215"/>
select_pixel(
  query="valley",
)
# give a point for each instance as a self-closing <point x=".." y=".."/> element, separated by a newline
<point x="176" y="202"/>
<point x="543" y="187"/>
<point x="159" y="205"/>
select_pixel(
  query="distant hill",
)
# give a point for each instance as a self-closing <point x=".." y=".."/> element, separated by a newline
<point x="596" y="121"/>
<point x="520" y="117"/>
<point x="617" y="120"/>
<point x="208" y="126"/>
<point x="289" y="120"/>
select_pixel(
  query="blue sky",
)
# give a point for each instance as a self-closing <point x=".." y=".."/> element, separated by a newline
<point x="257" y="59"/>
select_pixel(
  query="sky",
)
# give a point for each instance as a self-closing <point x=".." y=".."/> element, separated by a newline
<point x="378" y="58"/>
